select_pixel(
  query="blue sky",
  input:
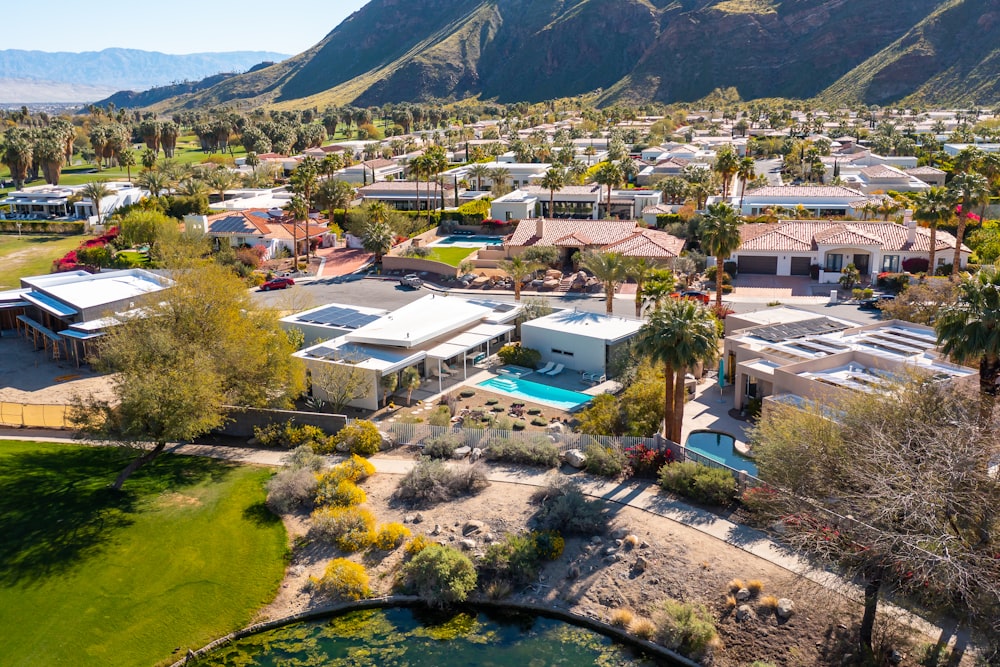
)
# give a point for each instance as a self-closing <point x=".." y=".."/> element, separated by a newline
<point x="175" y="26"/>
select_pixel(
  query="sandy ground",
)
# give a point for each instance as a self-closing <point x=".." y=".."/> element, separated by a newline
<point x="29" y="376"/>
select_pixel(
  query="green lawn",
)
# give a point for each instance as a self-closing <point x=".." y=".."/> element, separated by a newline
<point x="452" y="256"/>
<point x="31" y="255"/>
<point x="88" y="576"/>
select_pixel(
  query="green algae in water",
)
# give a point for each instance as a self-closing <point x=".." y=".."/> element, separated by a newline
<point x="401" y="637"/>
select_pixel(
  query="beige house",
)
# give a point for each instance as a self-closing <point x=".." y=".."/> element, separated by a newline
<point x="568" y="236"/>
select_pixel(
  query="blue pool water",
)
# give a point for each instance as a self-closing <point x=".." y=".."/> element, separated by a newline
<point x="719" y="447"/>
<point x="469" y="241"/>
<point x="543" y="394"/>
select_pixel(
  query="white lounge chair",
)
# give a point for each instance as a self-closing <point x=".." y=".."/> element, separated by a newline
<point x="555" y="371"/>
<point x="544" y="370"/>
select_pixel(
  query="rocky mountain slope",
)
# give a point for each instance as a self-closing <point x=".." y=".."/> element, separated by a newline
<point x="633" y="50"/>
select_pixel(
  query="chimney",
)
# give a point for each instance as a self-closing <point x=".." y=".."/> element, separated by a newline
<point x="540" y="228"/>
<point x="911" y="227"/>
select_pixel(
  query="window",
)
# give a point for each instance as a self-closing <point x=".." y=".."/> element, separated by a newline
<point x="834" y="262"/>
<point x="565" y="353"/>
<point x="890" y="263"/>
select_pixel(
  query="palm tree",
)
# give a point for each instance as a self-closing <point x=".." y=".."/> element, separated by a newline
<point x="971" y="328"/>
<point x="437" y="161"/>
<point x="253" y="161"/>
<point x="126" y="159"/>
<point x="639" y="269"/>
<point x="934" y="206"/>
<point x="17" y="155"/>
<point x="679" y="334"/>
<point x="971" y="188"/>
<point x="96" y="191"/>
<point x="298" y="209"/>
<point x="417" y="168"/>
<point x="410" y="381"/>
<point x="719" y="232"/>
<point x="518" y="269"/>
<point x="499" y="176"/>
<point x="376" y="238"/>
<point x="745" y="170"/>
<point x="726" y="164"/>
<point x="479" y="171"/>
<point x="609" y="268"/>
<point x="153" y="180"/>
<point x="389" y="384"/>
<point x="553" y="179"/>
<point x="609" y="174"/>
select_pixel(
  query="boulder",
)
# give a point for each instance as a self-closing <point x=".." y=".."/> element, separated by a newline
<point x="785" y="608"/>
<point x="555" y="427"/>
<point x="575" y="458"/>
<point x="475" y="454"/>
<point x="418" y="518"/>
<point x="744" y="613"/>
<point x="641" y="564"/>
<point x="388" y="440"/>
<point x="473" y="528"/>
<point x="743" y="595"/>
<point x="436" y="530"/>
<point x="461" y="452"/>
<point x="467" y="544"/>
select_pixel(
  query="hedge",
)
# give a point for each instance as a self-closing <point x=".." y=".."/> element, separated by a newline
<point x="42" y="226"/>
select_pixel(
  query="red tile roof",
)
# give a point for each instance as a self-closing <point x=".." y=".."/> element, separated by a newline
<point x="807" y="235"/>
<point x="623" y="236"/>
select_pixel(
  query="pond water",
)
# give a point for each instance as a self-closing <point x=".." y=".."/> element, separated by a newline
<point x="419" y="638"/>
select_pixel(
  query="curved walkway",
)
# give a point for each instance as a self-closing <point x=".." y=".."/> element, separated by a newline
<point x="643" y="496"/>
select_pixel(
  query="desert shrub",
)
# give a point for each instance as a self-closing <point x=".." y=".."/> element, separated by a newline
<point x="916" y="265"/>
<point x="338" y="492"/>
<point x="431" y="481"/>
<point x="288" y="435"/>
<point x="702" y="484"/>
<point x="769" y="602"/>
<point x="538" y="451"/>
<point x="349" y="528"/>
<point x="443" y="446"/>
<point x="735" y="585"/>
<point x="440" y="417"/>
<point x="343" y="581"/>
<point x="451" y="401"/>
<point x="755" y="586"/>
<point x="621" y="618"/>
<point x="416" y="545"/>
<point x="604" y="461"/>
<point x="534" y="411"/>
<point x="563" y="507"/>
<point x="498" y="589"/>
<point x="440" y="575"/>
<point x="892" y="282"/>
<point x="687" y="628"/>
<point x="518" y="426"/>
<point x="390" y="536"/>
<point x="357" y="468"/>
<point x="630" y="541"/>
<point x="731" y="602"/>
<point x="304" y="458"/>
<point x="291" y="489"/>
<point x="515" y="559"/>
<point x="643" y="628"/>
<point x="710" y="275"/>
<point x="492" y="401"/>
<point x="537" y="421"/>
<point x="467" y="393"/>
<point x="549" y="544"/>
<point x="361" y="437"/>
<point x="519" y="356"/>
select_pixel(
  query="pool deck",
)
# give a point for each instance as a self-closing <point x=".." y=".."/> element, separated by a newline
<point x="705" y="413"/>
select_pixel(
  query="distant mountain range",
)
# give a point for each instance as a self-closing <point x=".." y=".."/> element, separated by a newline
<point x="39" y="76"/>
<point x="938" y="52"/>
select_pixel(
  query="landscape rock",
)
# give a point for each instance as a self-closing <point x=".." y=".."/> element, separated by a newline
<point x="620" y="533"/>
<point x="609" y="551"/>
<point x="573" y="572"/>
<point x="418" y="518"/>
<point x="743" y="595"/>
<point x="596" y="539"/>
<point x="555" y="427"/>
<point x="641" y="564"/>
<point x="895" y="657"/>
<point x="476" y="454"/>
<point x="467" y="544"/>
<point x="388" y="440"/>
<point x="744" y="613"/>
<point x="436" y="530"/>
<point x="785" y="608"/>
<point x="461" y="452"/>
<point x="473" y="528"/>
<point x="408" y="518"/>
<point x="575" y="458"/>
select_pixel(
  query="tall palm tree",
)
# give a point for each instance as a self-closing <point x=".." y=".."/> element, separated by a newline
<point x="609" y="174"/>
<point x="719" y="232"/>
<point x="970" y="328"/>
<point x="253" y="161"/>
<point x="638" y="269"/>
<point x="678" y="335"/>
<point x="971" y="188"/>
<point x="126" y="158"/>
<point x="745" y="171"/>
<point x="437" y="161"/>
<point x="553" y="179"/>
<point x="726" y="164"/>
<point x="96" y="191"/>
<point x="17" y="155"/>
<point x="499" y="176"/>
<point x="298" y="209"/>
<point x="219" y="180"/>
<point x="934" y="206"/>
<point x="153" y="180"/>
<point x="376" y="238"/>
<point x="518" y="269"/>
<point x="479" y="171"/>
<point x="609" y="268"/>
<point x="417" y="168"/>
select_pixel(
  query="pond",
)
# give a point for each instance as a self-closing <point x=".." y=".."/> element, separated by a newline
<point x="420" y="638"/>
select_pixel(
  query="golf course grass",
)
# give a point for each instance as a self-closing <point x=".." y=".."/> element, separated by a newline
<point x="31" y="255"/>
<point x="185" y="553"/>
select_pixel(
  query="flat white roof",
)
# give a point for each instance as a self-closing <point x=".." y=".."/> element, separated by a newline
<point x="468" y="340"/>
<point x="783" y="315"/>
<point x="90" y="290"/>
<point x="369" y="357"/>
<point x="590" y="325"/>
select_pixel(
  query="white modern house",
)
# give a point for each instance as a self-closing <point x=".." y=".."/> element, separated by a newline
<point x="580" y="341"/>
<point x="45" y="202"/>
<point x="438" y="335"/>
<point x="820" y="200"/>
<point x="520" y="174"/>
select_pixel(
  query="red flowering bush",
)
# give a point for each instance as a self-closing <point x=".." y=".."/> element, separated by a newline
<point x="645" y="461"/>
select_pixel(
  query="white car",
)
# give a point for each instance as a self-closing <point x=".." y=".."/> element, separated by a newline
<point x="411" y="280"/>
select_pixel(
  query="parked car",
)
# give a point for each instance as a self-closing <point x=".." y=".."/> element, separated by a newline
<point x="277" y="283"/>
<point x="876" y="300"/>
<point x="692" y="295"/>
<point x="411" y="280"/>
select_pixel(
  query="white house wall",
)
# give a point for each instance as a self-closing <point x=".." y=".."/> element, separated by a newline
<point x="588" y="354"/>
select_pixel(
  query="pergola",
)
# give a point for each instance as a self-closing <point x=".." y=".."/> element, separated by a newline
<point x="477" y="339"/>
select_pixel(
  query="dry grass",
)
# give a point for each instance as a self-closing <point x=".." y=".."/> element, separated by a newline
<point x="630" y="541"/>
<point x="755" y="586"/>
<point x="735" y="585"/>
<point x="622" y="618"/>
<point x="643" y="628"/>
<point x="769" y="602"/>
<point x="730" y="601"/>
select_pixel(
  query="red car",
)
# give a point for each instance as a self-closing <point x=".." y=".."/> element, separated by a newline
<point x="276" y="283"/>
<point x="693" y="295"/>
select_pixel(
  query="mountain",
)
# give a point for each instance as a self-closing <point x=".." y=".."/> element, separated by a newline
<point x="119" y="69"/>
<point x="636" y="50"/>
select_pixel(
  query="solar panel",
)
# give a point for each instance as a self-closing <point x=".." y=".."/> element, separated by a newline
<point x="776" y="333"/>
<point x="335" y="316"/>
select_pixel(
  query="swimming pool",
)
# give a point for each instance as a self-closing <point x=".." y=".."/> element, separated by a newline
<point x="469" y="241"/>
<point x="719" y="447"/>
<point x="543" y="394"/>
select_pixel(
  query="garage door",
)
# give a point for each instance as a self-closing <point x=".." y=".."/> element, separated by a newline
<point x="800" y="266"/>
<point x="768" y="265"/>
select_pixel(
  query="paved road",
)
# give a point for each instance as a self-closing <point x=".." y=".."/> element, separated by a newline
<point x="770" y="169"/>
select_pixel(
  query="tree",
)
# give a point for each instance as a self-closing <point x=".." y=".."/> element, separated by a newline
<point x="719" y="232"/>
<point x="896" y="489"/>
<point x="934" y="206"/>
<point x="376" y="238"/>
<point x="679" y="334"/>
<point x="149" y="228"/>
<point x="126" y="158"/>
<point x="96" y="191"/>
<point x="518" y="269"/>
<point x="639" y="270"/>
<point x="17" y="155"/>
<point x="252" y="161"/>
<point x="726" y="164"/>
<point x="479" y="171"/>
<point x="410" y="381"/>
<point x="553" y="179"/>
<point x="297" y="209"/>
<point x="50" y="154"/>
<point x="746" y="170"/>
<point x="499" y="177"/>
<point x="440" y="575"/>
<point x="153" y="180"/>
<point x="340" y="384"/>
<point x="389" y="383"/>
<point x="175" y="370"/>
<point x="333" y="194"/>
<point x="921" y="301"/>
<point x="970" y="329"/>
<point x="611" y="268"/>
<point x="971" y="189"/>
<point x="219" y="180"/>
<point x="609" y="174"/>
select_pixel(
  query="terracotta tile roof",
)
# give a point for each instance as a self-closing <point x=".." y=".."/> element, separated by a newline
<point x="926" y="170"/>
<point x="565" y="190"/>
<point x="804" y="236"/>
<point x="882" y="171"/>
<point x="622" y="236"/>
<point x="804" y="191"/>
<point x="651" y="243"/>
<point x="379" y="163"/>
<point x="673" y="162"/>
<point x="400" y="186"/>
